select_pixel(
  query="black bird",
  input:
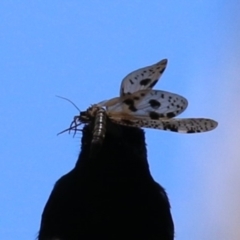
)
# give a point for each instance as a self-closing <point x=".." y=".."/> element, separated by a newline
<point x="109" y="196"/>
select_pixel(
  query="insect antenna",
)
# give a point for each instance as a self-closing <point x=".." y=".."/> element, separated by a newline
<point x="74" y="124"/>
<point x="70" y="102"/>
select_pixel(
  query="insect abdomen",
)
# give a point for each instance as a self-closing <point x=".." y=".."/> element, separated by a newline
<point x="99" y="128"/>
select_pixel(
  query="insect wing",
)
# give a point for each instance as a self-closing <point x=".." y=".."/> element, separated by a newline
<point x="142" y="78"/>
<point x="181" y="125"/>
<point x="190" y="125"/>
<point x="153" y="104"/>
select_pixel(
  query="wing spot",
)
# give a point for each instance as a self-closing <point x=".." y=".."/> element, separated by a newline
<point x="154" y="115"/>
<point x="128" y="101"/>
<point x="145" y="82"/>
<point x="161" y="71"/>
<point x="130" y="104"/>
<point x="170" y="115"/>
<point x="154" y="103"/>
<point x="173" y="128"/>
<point x="132" y="108"/>
<point x="153" y="83"/>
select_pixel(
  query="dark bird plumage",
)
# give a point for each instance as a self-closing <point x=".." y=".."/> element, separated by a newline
<point x="111" y="195"/>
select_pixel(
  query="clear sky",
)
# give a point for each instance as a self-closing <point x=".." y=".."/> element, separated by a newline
<point x="81" y="50"/>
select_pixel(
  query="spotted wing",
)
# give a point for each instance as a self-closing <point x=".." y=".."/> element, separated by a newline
<point x="153" y="104"/>
<point x="142" y="78"/>
<point x="184" y="125"/>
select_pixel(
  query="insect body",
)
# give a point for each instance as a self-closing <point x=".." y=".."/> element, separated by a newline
<point x="99" y="129"/>
<point x="140" y="106"/>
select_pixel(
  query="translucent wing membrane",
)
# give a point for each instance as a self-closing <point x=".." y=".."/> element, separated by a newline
<point x="151" y="104"/>
<point x="142" y="78"/>
<point x="181" y="125"/>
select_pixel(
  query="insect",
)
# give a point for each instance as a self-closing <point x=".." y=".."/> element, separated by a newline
<point x="141" y="106"/>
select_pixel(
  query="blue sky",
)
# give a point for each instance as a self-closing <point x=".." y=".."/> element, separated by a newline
<point x="82" y="50"/>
